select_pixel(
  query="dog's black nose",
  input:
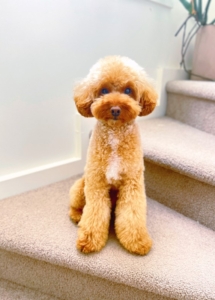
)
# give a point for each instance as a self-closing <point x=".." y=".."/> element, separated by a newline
<point x="115" y="111"/>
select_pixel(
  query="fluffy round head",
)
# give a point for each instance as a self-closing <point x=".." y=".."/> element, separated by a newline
<point x="116" y="90"/>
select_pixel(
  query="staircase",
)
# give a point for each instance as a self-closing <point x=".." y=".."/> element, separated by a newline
<point x="38" y="257"/>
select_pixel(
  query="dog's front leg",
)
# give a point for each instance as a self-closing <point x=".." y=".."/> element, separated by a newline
<point x="94" y="224"/>
<point x="130" y="223"/>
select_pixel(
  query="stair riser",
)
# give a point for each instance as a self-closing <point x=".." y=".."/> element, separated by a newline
<point x="13" y="291"/>
<point x="65" y="283"/>
<point x="188" y="196"/>
<point x="195" y="112"/>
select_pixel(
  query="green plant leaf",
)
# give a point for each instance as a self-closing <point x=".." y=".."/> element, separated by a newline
<point x="187" y="5"/>
<point x="205" y="18"/>
<point x="199" y="10"/>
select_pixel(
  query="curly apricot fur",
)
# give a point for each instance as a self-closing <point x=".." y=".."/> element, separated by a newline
<point x="115" y="159"/>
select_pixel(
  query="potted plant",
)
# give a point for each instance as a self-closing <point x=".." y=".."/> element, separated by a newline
<point x="203" y="66"/>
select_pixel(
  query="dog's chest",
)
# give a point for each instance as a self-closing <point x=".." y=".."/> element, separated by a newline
<point x="114" y="160"/>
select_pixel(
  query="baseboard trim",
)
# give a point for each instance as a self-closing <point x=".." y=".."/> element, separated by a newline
<point x="17" y="183"/>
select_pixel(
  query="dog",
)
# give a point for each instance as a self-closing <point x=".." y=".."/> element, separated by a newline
<point x="116" y="91"/>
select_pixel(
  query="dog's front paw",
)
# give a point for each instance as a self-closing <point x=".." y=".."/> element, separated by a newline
<point x="139" y="244"/>
<point x="141" y="247"/>
<point x="89" y="241"/>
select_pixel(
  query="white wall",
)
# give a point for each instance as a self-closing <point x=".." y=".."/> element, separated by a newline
<point x="46" y="46"/>
<point x="36" y="82"/>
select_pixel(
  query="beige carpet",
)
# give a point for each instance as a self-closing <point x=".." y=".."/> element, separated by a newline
<point x="179" y="147"/>
<point x="181" y="264"/>
<point x="186" y="195"/>
<point x="180" y="167"/>
<point x="192" y="88"/>
<point x="193" y="103"/>
<point x="11" y="291"/>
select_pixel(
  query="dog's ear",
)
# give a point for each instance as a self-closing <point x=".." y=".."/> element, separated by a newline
<point x="83" y="99"/>
<point x="148" y="99"/>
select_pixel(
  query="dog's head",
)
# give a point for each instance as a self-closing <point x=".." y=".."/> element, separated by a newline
<point x="116" y="89"/>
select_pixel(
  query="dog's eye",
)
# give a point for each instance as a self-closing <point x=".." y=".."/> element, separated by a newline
<point x="127" y="91"/>
<point x="104" y="91"/>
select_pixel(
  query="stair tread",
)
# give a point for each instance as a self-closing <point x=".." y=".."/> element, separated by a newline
<point x="179" y="147"/>
<point x="13" y="291"/>
<point x="197" y="89"/>
<point x="180" y="265"/>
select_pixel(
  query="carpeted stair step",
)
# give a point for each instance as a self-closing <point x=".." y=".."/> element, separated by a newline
<point x="180" y="167"/>
<point x="193" y="103"/>
<point x="12" y="291"/>
<point x="37" y="250"/>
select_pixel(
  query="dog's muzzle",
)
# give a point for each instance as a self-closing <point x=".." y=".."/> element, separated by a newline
<point x="115" y="111"/>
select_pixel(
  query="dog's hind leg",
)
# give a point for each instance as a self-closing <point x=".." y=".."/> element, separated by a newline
<point x="77" y="200"/>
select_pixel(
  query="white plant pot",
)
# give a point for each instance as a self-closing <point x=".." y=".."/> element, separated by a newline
<point x="204" y="54"/>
